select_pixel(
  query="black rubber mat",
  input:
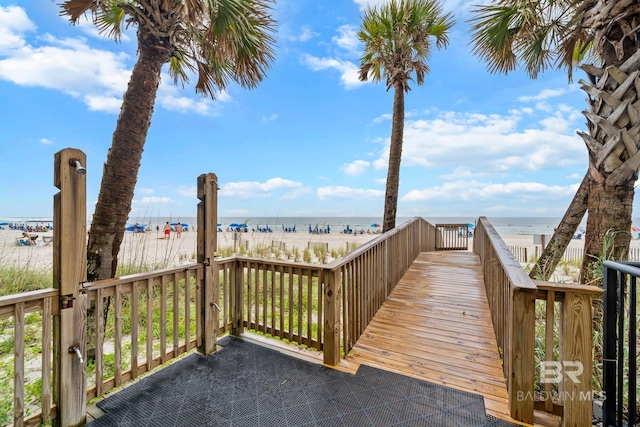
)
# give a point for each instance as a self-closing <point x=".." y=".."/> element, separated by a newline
<point x="245" y="384"/>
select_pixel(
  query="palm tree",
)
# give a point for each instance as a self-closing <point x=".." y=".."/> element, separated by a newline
<point x="397" y="39"/>
<point x="219" y="42"/>
<point x="553" y="252"/>
<point x="602" y="38"/>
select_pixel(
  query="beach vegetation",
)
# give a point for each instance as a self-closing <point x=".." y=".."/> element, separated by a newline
<point x="562" y="235"/>
<point x="17" y="279"/>
<point x="306" y="255"/>
<point x="399" y="37"/>
<point x="603" y="40"/>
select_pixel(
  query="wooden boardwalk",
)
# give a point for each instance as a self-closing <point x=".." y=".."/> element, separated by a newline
<point x="436" y="325"/>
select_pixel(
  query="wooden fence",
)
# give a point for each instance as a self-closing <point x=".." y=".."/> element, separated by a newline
<point x="160" y="315"/>
<point x="565" y="314"/>
<point x="512" y="299"/>
<point x="531" y="253"/>
<point x="325" y="307"/>
<point x="156" y="317"/>
<point x="44" y="303"/>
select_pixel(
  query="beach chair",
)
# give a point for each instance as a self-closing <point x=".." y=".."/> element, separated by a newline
<point x="26" y="241"/>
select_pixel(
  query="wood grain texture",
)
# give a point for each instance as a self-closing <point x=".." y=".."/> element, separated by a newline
<point x="436" y="325"/>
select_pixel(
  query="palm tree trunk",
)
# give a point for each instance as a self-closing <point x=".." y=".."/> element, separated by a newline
<point x="563" y="234"/>
<point x="608" y="225"/>
<point x="395" y="156"/>
<point x="120" y="171"/>
<point x="614" y="159"/>
<point x="121" y="168"/>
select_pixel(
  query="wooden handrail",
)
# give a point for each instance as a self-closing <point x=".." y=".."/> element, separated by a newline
<point x="570" y="399"/>
<point x="17" y="306"/>
<point x="511" y="296"/>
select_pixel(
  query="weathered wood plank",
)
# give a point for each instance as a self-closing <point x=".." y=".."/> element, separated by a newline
<point x="436" y="325"/>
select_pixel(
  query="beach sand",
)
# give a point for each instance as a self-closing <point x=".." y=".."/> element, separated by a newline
<point x="150" y="247"/>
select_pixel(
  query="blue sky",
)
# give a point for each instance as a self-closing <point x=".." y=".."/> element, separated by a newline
<point x="310" y="140"/>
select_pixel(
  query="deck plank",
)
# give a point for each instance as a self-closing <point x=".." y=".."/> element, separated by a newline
<point x="436" y="325"/>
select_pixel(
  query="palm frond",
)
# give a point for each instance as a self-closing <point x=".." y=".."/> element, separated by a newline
<point x="398" y="40"/>
<point x="540" y="35"/>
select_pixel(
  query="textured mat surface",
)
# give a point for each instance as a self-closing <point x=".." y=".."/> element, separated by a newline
<point x="245" y="384"/>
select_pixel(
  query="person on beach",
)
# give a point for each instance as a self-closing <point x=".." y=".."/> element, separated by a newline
<point x="30" y="238"/>
<point x="178" y="230"/>
<point x="167" y="230"/>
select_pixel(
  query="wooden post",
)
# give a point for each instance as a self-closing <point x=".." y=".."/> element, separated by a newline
<point x="207" y="246"/>
<point x="237" y="298"/>
<point x="331" y="317"/>
<point x="575" y="359"/>
<point x="69" y="272"/>
<point x="521" y="347"/>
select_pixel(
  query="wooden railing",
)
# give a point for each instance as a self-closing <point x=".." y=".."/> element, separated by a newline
<point x="325" y="307"/>
<point x="452" y="237"/>
<point x="512" y="299"/>
<point x="14" y="308"/>
<point x="358" y="284"/>
<point x="511" y="295"/>
<point x="278" y="298"/>
<point x="153" y="318"/>
<point x="565" y="315"/>
<point x="529" y="253"/>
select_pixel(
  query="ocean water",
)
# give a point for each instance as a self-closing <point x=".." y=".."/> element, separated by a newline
<point x="503" y="225"/>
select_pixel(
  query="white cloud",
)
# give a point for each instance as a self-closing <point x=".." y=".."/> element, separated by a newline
<point x="543" y="95"/>
<point x="305" y="34"/>
<point x="348" y="39"/>
<point x="479" y="191"/>
<point x="489" y="143"/>
<point x="348" y="70"/>
<point x="363" y="4"/>
<point x="97" y="77"/>
<point x="356" y="168"/>
<point x="14" y="22"/>
<point x="173" y="99"/>
<point x="342" y="192"/>
<point x="253" y="189"/>
<point x="46" y="141"/>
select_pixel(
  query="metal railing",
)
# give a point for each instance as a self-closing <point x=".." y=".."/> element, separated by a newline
<point x="620" y="335"/>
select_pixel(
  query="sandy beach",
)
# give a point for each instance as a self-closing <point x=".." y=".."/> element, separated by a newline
<point x="150" y="247"/>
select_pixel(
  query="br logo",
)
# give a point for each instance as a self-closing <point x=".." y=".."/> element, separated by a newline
<point x="552" y="372"/>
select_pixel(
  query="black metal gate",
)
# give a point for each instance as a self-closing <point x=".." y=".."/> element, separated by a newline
<point x="620" y="371"/>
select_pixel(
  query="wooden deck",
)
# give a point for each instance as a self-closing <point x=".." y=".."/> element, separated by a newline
<point x="436" y="325"/>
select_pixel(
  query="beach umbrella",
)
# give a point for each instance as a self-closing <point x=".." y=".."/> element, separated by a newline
<point x="234" y="225"/>
<point x="375" y="225"/>
<point x="632" y="228"/>
<point x="471" y="225"/>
